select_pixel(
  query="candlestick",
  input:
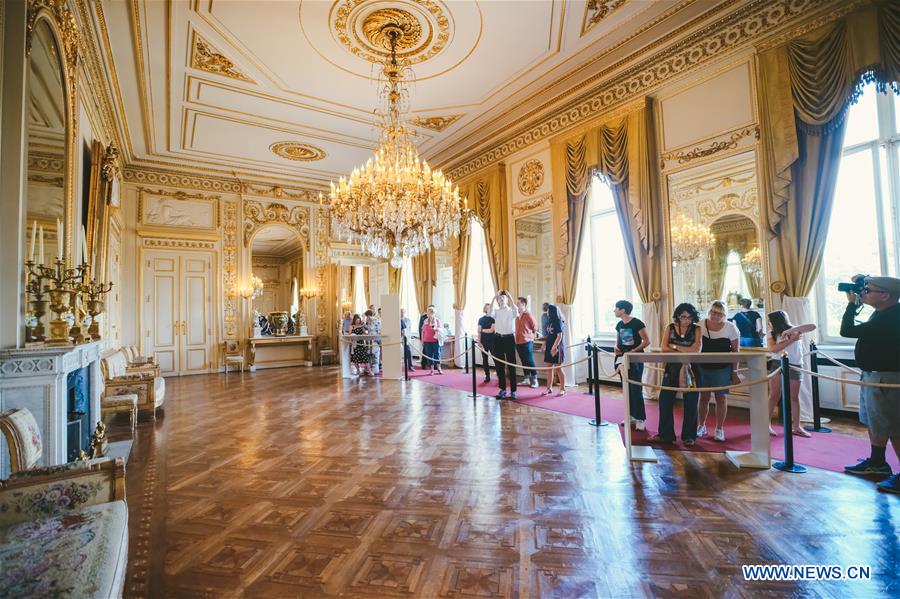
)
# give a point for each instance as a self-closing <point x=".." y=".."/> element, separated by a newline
<point x="33" y="240"/>
<point x="42" y="245"/>
<point x="59" y="240"/>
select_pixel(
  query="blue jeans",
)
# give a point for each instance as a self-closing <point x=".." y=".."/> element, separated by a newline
<point x="751" y="342"/>
<point x="433" y="351"/>
<point x="636" y="392"/>
<point x="666" y="412"/>
<point x="526" y="357"/>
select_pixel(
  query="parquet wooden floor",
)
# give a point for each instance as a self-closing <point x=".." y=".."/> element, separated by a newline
<point x="295" y="483"/>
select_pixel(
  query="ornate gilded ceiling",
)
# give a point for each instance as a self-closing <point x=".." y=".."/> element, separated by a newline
<point x="284" y="90"/>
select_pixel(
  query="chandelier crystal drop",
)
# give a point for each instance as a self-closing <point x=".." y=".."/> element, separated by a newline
<point x="689" y="239"/>
<point x="395" y="205"/>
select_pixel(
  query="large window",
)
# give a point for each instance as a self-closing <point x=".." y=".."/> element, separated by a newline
<point x="604" y="275"/>
<point x="863" y="230"/>
<point x="479" y="285"/>
<point x="359" y="290"/>
<point x="408" y="294"/>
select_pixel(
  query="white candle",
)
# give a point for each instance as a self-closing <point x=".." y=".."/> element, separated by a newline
<point x="83" y="246"/>
<point x="60" y="239"/>
<point x="33" y="240"/>
<point x="42" y="244"/>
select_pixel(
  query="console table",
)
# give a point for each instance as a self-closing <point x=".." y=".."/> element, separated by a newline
<point x="278" y="352"/>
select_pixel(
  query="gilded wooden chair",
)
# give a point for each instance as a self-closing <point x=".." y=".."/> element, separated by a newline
<point x="325" y="349"/>
<point x="234" y="355"/>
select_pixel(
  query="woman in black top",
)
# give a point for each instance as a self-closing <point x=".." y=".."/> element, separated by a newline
<point x="682" y="336"/>
<point x="486" y="338"/>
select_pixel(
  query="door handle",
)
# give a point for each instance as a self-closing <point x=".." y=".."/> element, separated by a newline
<point x="184" y="327"/>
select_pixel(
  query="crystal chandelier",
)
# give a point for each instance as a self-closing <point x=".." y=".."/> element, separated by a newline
<point x="689" y="239"/>
<point x="751" y="262"/>
<point x="395" y="205"/>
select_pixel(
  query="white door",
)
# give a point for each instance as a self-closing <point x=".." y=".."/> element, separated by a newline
<point x="177" y="311"/>
<point x="196" y="314"/>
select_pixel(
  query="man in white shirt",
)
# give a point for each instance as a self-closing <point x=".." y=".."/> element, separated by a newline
<point x="505" y="343"/>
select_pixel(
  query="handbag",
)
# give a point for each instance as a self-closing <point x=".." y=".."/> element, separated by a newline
<point x="686" y="377"/>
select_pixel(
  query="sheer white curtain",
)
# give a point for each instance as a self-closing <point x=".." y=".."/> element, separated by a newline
<point x="479" y="285"/>
<point x="360" y="305"/>
<point x="408" y="295"/>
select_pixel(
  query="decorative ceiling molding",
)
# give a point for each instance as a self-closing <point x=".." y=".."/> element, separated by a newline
<point x="597" y="10"/>
<point x="147" y="176"/>
<point x="300" y="152"/>
<point x="424" y="25"/>
<point x="280" y="193"/>
<point x="205" y="57"/>
<point x="740" y="28"/>
<point x="435" y="123"/>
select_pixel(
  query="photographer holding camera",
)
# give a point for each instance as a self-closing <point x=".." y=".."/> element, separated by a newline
<point x="877" y="354"/>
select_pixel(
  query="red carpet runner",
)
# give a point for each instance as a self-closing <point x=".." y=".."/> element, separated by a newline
<point x="830" y="451"/>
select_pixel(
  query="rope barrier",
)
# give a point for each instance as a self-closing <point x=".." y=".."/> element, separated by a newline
<point x="832" y="360"/>
<point x="706" y="389"/>
<point x="847" y="381"/>
<point x="516" y="365"/>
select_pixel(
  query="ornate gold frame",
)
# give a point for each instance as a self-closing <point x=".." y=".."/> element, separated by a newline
<point x="65" y="32"/>
<point x="108" y="202"/>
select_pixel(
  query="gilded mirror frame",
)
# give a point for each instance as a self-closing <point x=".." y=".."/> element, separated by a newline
<point x="730" y="186"/>
<point x="528" y="215"/>
<point x="64" y="30"/>
<point x="102" y="205"/>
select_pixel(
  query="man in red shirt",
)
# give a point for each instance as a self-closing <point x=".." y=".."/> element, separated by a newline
<point x="525" y="327"/>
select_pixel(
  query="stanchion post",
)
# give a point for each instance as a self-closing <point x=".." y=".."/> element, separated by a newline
<point x="474" y="362"/>
<point x="466" y="342"/>
<point x="405" y="361"/>
<point x="590" y="375"/>
<point x="817" y="409"/>
<point x="788" y="464"/>
<point x="595" y="360"/>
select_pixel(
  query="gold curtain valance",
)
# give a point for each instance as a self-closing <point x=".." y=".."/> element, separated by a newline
<point x="809" y="82"/>
<point x="486" y="194"/>
<point x="619" y="150"/>
<point x="425" y="273"/>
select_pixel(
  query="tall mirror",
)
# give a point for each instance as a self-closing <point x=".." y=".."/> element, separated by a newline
<point x="276" y="259"/>
<point x="534" y="262"/>
<point x="714" y="235"/>
<point x="46" y="147"/>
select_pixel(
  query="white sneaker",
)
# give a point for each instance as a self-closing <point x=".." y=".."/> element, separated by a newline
<point x="701" y="430"/>
<point x="534" y="383"/>
<point x="720" y="434"/>
<point x="639" y="425"/>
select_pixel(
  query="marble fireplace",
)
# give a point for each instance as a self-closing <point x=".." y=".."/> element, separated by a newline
<point x="59" y="385"/>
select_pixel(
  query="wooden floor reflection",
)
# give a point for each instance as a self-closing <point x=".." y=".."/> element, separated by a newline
<point x="295" y="483"/>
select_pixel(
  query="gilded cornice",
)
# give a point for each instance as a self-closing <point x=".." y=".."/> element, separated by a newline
<point x="148" y="176"/>
<point x="435" y="123"/>
<point x="746" y="25"/>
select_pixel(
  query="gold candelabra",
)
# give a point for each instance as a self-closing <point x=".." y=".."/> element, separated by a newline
<point x="67" y="289"/>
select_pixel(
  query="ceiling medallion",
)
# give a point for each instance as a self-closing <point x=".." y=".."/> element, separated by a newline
<point x="531" y="177"/>
<point x="435" y="123"/>
<point x="361" y="26"/>
<point x="297" y="151"/>
<point x="394" y="205"/>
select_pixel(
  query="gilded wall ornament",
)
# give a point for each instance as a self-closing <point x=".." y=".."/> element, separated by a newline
<point x="531" y="177"/>
<point x="361" y="28"/>
<point x="206" y="58"/>
<point x="435" y="123"/>
<point x="229" y="267"/>
<point x="256" y="215"/>
<point x="534" y="204"/>
<point x="715" y="147"/>
<point x="111" y="166"/>
<point x="297" y="151"/>
<point x="743" y="27"/>
<point x="597" y="10"/>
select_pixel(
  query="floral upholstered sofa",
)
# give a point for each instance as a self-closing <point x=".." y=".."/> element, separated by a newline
<point x="63" y="529"/>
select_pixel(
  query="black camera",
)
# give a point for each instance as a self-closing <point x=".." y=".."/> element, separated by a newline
<point x="856" y="287"/>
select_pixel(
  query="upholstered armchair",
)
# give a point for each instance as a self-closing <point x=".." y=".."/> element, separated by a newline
<point x="53" y="518"/>
<point x="63" y="529"/>
<point x="150" y="389"/>
<point x="233" y="355"/>
<point x="138" y="363"/>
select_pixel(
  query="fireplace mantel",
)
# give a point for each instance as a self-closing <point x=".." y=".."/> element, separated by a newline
<point x="35" y="378"/>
